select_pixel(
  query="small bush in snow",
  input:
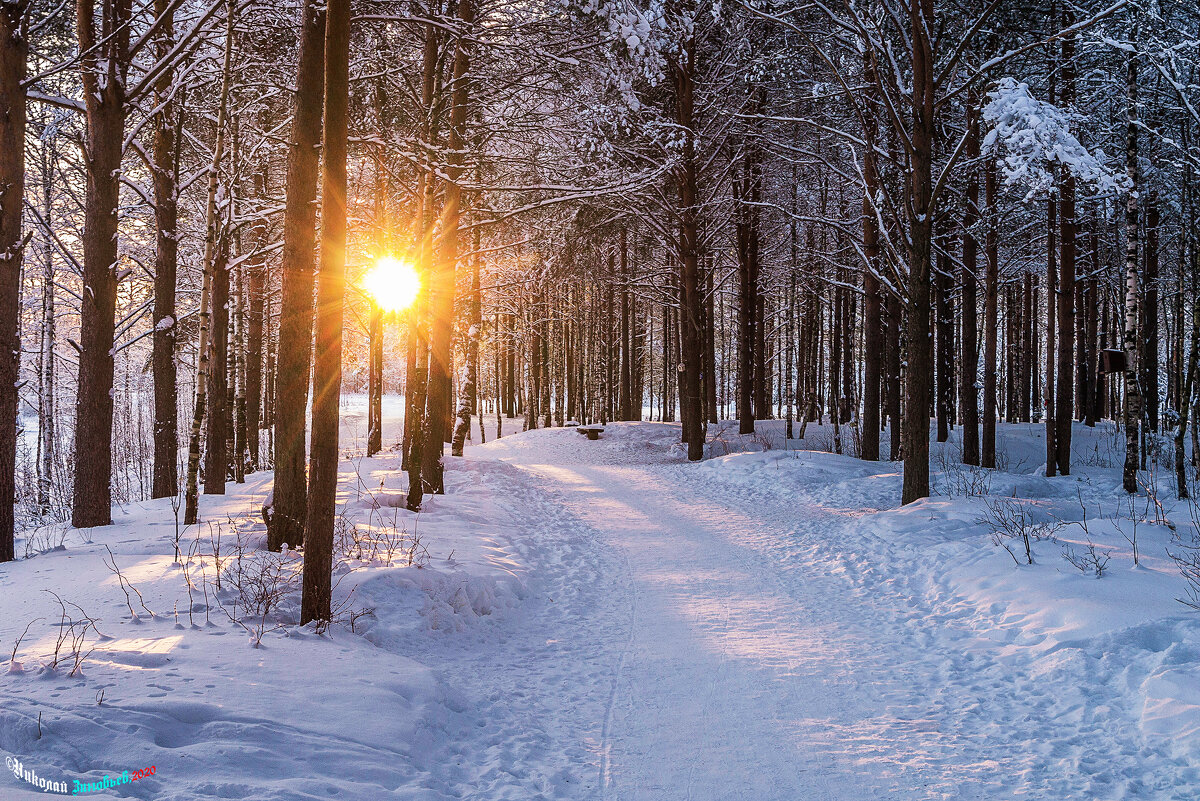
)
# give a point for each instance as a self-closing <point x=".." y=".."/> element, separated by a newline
<point x="1088" y="561"/>
<point x="1012" y="524"/>
<point x="386" y="543"/>
<point x="1188" y="561"/>
<point x="71" y="643"/>
<point x="958" y="479"/>
<point x="46" y="538"/>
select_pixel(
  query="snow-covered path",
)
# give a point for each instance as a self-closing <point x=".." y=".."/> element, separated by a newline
<point x="601" y="620"/>
<point x="750" y="652"/>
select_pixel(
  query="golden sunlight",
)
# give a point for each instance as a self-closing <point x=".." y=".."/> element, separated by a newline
<point x="393" y="284"/>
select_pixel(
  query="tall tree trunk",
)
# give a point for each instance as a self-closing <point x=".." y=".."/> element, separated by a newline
<point x="237" y="375"/>
<point x="790" y="355"/>
<point x="441" y="295"/>
<point x="1149" y="317"/>
<point x="14" y="50"/>
<point x="327" y="364"/>
<point x="1051" y="327"/>
<point x="1188" y="382"/>
<point x="689" y="317"/>
<point x="626" y="382"/>
<point x="374" y="380"/>
<point x="747" y="305"/>
<point x="968" y="304"/>
<point x="216" y="455"/>
<point x="431" y="86"/>
<point x="375" y="314"/>
<point x="920" y="357"/>
<point x="1133" y="395"/>
<point x="469" y="401"/>
<point x="294" y="357"/>
<point x="1028" y="377"/>
<point x="103" y="65"/>
<point x="944" y="285"/>
<point x="215" y="260"/>
<point x="710" y="352"/>
<point x="991" y="302"/>
<point x="165" y="169"/>
<point x="872" y="308"/>
<point x="1065" y="407"/>
<point x="761" y="379"/>
<point x="256" y="288"/>
<point x="1094" y="311"/>
<point x="836" y="357"/>
<point x="894" y="373"/>
<point x="47" y="441"/>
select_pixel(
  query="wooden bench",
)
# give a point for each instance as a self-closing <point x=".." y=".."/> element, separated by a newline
<point x="591" y="432"/>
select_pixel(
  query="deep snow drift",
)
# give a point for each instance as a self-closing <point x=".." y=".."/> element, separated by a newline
<point x="582" y="619"/>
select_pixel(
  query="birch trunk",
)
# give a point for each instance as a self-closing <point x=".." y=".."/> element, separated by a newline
<point x="1133" y="396"/>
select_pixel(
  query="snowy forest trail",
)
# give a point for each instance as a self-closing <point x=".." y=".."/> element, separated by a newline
<point x="759" y="645"/>
<point x="603" y="621"/>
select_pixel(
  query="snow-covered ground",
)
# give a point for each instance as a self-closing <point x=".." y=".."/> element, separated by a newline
<point x="585" y="620"/>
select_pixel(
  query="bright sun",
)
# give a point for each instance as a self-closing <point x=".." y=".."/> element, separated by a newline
<point x="392" y="283"/>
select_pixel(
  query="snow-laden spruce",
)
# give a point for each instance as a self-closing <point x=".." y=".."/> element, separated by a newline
<point x="1035" y="138"/>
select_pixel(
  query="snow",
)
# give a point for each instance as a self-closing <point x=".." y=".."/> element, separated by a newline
<point x="604" y="620"/>
<point x="1035" y="135"/>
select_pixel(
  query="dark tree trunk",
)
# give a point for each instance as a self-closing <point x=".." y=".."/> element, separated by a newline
<point x="375" y="315"/>
<point x="165" y="172"/>
<point x="689" y="318"/>
<point x="747" y="305"/>
<point x="1028" y="376"/>
<point x="327" y="364"/>
<point x="1065" y="407"/>
<point x="1051" y="328"/>
<point x="920" y="357"/>
<point x="1094" y="311"/>
<point x="216" y="454"/>
<point x="441" y="284"/>
<point x="1149" y="316"/>
<point x="991" y="292"/>
<point x="710" y="350"/>
<point x="893" y="381"/>
<point x="256" y="287"/>
<point x="626" y="399"/>
<point x="873" y="345"/>
<point x="836" y="341"/>
<point x="945" y="343"/>
<point x="14" y="51"/>
<point x="47" y="440"/>
<point x="294" y="359"/>
<point x="848" y="402"/>
<point x="968" y="304"/>
<point x="103" y="66"/>
<point x="374" y="380"/>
